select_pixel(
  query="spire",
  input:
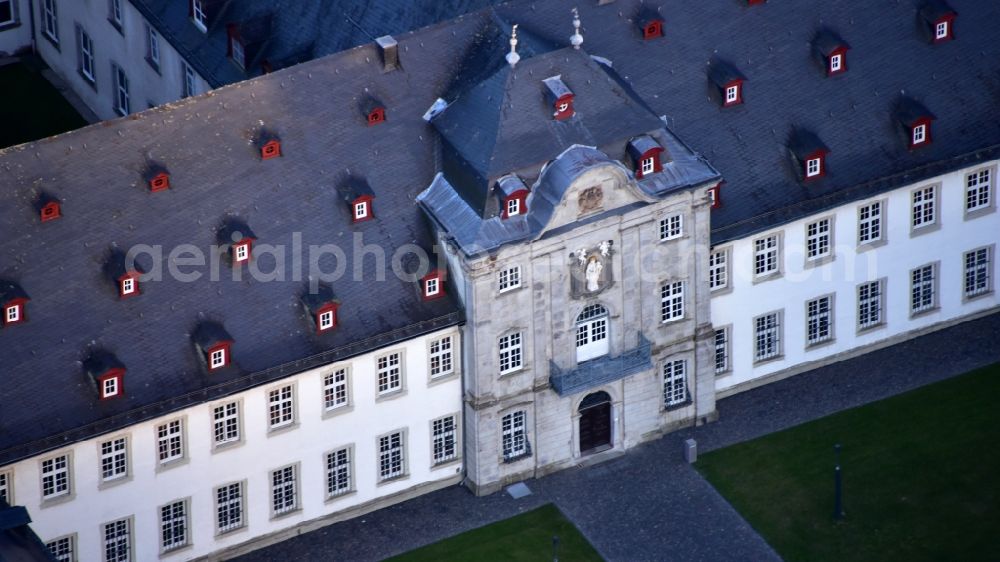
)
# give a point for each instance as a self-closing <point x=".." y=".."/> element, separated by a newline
<point x="576" y="39"/>
<point x="512" y="56"/>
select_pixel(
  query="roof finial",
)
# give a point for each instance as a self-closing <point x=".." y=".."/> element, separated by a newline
<point x="512" y="56"/>
<point x="576" y="39"/>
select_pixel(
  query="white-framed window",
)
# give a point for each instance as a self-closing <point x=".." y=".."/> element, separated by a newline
<point x="284" y="490"/>
<point x="217" y="358"/>
<point x="242" y="252"/>
<point x="672" y="301"/>
<point x="198" y="15"/>
<point x="188" y="83"/>
<point x="109" y="387"/>
<point x="444" y="439"/>
<point x="114" y="459"/>
<point x="360" y="210"/>
<point x="562" y="107"/>
<point x="85" y="54"/>
<point x="721" y="350"/>
<point x="513" y="206"/>
<point x="335" y="389"/>
<point x="592" y="333"/>
<point x="924" y="206"/>
<point x="836" y="62"/>
<point x="55" y="477"/>
<point x="813" y="167"/>
<point x="978" y="271"/>
<point x="121" y="92"/>
<point x="871" y="304"/>
<point x="648" y="165"/>
<point x="8" y="12"/>
<point x="239" y="57"/>
<point x="50" y="24"/>
<point x="226" y="423"/>
<point x="941" y="30"/>
<point x="919" y="134"/>
<point x="515" y="437"/>
<point x="819" y="320"/>
<point x="511" y="357"/>
<point x="923" y="282"/>
<point x="978" y="190"/>
<point x="281" y="406"/>
<point x="767" y="336"/>
<point x="6" y="478"/>
<point x="128" y="286"/>
<point x="818" y="239"/>
<point x="115" y="12"/>
<point x="390" y="372"/>
<point x="441" y="360"/>
<point x="732" y="94"/>
<point x="229" y="507"/>
<point x="325" y="320"/>
<point x="170" y="441"/>
<point x="63" y="549"/>
<point x="765" y="255"/>
<point x="391" y="455"/>
<point x="173" y="525"/>
<point x="13" y="313"/>
<point x="671" y="227"/>
<point x="339" y="472"/>
<point x="152" y="47"/>
<point x="432" y="287"/>
<point x="870" y="222"/>
<point x="509" y="278"/>
<point x="718" y="269"/>
<point x="674" y="383"/>
<point x="118" y="541"/>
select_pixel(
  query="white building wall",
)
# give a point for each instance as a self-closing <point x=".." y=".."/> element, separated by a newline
<point x="17" y="35"/>
<point x="314" y="433"/>
<point x="126" y="48"/>
<point x="955" y="233"/>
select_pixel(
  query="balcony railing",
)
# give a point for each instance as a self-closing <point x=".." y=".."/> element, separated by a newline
<point x="602" y="370"/>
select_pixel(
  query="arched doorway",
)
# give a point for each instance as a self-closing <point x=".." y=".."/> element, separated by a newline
<point x="591" y="333"/>
<point x="595" y="423"/>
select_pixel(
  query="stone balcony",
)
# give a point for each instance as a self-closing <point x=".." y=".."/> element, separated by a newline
<point x="602" y="370"/>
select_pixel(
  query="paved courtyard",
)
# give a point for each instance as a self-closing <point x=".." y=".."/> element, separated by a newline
<point x="648" y="504"/>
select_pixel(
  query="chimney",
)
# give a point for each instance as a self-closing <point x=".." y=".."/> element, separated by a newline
<point x="389" y="49"/>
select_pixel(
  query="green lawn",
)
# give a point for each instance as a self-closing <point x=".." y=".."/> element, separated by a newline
<point x="32" y="108"/>
<point x="921" y="478"/>
<point x="525" y="537"/>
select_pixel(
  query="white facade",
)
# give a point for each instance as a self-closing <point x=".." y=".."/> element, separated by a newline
<point x="942" y="242"/>
<point x="15" y="26"/>
<point x="303" y="444"/>
<point x="124" y="46"/>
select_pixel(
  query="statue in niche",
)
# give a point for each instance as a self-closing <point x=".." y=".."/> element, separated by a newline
<point x="590" y="271"/>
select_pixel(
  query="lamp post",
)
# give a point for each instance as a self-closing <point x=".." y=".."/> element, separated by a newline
<point x="838" y="505"/>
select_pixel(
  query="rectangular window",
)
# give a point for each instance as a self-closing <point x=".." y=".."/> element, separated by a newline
<point x="188" y="81"/>
<point x="919" y="134"/>
<point x="818" y="239"/>
<point x="870" y="222"/>
<point x="281" y="406"/>
<point x="85" y="54"/>
<point x="978" y="190"/>
<point x="718" y="270"/>
<point x="819" y="320"/>
<point x="870" y="304"/>
<point x="13" y="313"/>
<point x="114" y="459"/>
<point x="977" y="272"/>
<point x="813" y="167"/>
<point x="509" y="278"/>
<point x="390" y="373"/>
<point x="5" y="481"/>
<point x="672" y="301"/>
<point x="122" y="104"/>
<point x="173" y="525"/>
<point x="671" y="227"/>
<point x="441" y="357"/>
<point x="674" y="383"/>
<point x="924" y="202"/>
<point x="152" y="48"/>
<point x="239" y="57"/>
<point x="217" y="359"/>
<point x="8" y="12"/>
<point x="515" y="439"/>
<point x="226" y="423"/>
<point x="732" y="94"/>
<point x="50" y="26"/>
<point x="360" y="210"/>
<point x="55" y="477"/>
<point x="941" y="30"/>
<point x="510" y="352"/>
<point x="922" y="288"/>
<point x="115" y="12"/>
<point x="432" y="287"/>
<point x="62" y="549"/>
<point x="229" y="507"/>
<point x="390" y="455"/>
<point x="765" y="255"/>
<point x="513" y="207"/>
<point x="338" y="472"/>
<point x="835" y="63"/>
<point x="335" y="389"/>
<point x="170" y="441"/>
<point x="198" y="15"/>
<point x="767" y="336"/>
<point x="326" y="320"/>
<point x="444" y="439"/>
<point x="284" y="494"/>
<point x="721" y="350"/>
<point x="117" y="541"/>
<point x="242" y="252"/>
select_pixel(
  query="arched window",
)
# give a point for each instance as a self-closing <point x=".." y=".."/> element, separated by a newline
<point x="591" y="333"/>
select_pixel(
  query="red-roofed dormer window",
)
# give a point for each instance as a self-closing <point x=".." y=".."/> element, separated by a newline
<point x="815" y="165"/>
<point x="13" y="312"/>
<point x="218" y="355"/>
<point x="733" y="92"/>
<point x="920" y="133"/>
<point x="326" y="318"/>
<point x="432" y="285"/>
<point x="111" y="384"/>
<point x="361" y="209"/>
<point x="653" y="29"/>
<point x="836" y="63"/>
<point x="649" y="163"/>
<point x="376" y="116"/>
<point x="159" y="182"/>
<point x="128" y="284"/>
<point x="563" y="107"/>
<point x="50" y="211"/>
<point x="270" y="149"/>
<point x="943" y="28"/>
<point x="515" y="204"/>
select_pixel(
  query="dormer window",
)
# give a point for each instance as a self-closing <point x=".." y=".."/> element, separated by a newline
<point x="12" y="303"/>
<point x="373" y="110"/>
<point x="810" y="153"/>
<point x="128" y="285"/>
<point x="241" y="251"/>
<point x="13" y="313"/>
<point x="648" y="165"/>
<point x="432" y="285"/>
<point x="836" y="63"/>
<point x="646" y="153"/>
<point x="107" y="373"/>
<point x="111" y="384"/>
<point x="831" y="50"/>
<point x="198" y="15"/>
<point x="733" y="94"/>
<point x="560" y="96"/>
<point x="215" y="344"/>
<point x="376" y="116"/>
<point x="49" y="208"/>
<point x="109" y="388"/>
<point x="237" y="234"/>
<point x="159" y="182"/>
<point x="512" y="195"/>
<point x="360" y="198"/>
<point x="728" y="82"/>
<point x="321" y="306"/>
<point x="270" y="149"/>
<point x="919" y="134"/>
<point x="814" y="167"/>
<point x="939" y="18"/>
<point x="652" y="27"/>
<point x="513" y="207"/>
<point x="236" y="48"/>
<point x="218" y="357"/>
<point x="941" y="31"/>
<point x="362" y="210"/>
<point x="915" y="120"/>
<point x="123" y="273"/>
<point x="326" y="320"/>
